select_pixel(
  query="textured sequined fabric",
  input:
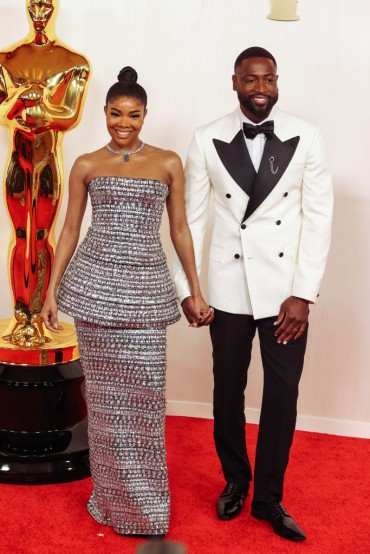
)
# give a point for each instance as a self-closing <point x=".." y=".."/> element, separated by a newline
<point x="120" y="293"/>
<point x="125" y="393"/>
<point x="119" y="275"/>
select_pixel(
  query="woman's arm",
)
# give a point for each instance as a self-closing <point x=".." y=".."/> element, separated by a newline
<point x="182" y="240"/>
<point x="68" y="240"/>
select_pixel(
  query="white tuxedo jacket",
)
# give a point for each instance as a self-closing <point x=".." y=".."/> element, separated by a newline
<point x="271" y="232"/>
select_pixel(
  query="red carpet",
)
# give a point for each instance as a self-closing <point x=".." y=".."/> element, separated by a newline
<point x="327" y="491"/>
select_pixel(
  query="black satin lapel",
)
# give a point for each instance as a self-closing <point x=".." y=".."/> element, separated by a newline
<point x="276" y="158"/>
<point x="237" y="162"/>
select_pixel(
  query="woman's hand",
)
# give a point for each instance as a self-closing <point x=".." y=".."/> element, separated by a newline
<point x="197" y="311"/>
<point x="49" y="314"/>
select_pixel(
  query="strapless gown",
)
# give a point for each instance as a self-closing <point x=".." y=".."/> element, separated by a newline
<point x="119" y="290"/>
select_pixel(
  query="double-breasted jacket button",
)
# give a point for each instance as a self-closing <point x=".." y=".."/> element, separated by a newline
<point x="228" y="195"/>
<point x="278" y="222"/>
<point x="237" y="256"/>
<point x="243" y="226"/>
<point x="281" y="254"/>
<point x="285" y="194"/>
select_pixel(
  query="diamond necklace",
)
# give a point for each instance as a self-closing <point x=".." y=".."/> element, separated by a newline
<point x="126" y="155"/>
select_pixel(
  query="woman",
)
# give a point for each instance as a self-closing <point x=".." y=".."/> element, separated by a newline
<point x="119" y="291"/>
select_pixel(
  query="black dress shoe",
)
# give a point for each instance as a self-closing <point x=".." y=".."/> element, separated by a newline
<point x="282" y="523"/>
<point x="230" y="503"/>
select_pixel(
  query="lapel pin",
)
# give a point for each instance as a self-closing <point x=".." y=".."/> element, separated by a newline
<point x="271" y="160"/>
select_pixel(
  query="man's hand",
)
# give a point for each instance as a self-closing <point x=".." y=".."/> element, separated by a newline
<point x="197" y="312"/>
<point x="292" y="319"/>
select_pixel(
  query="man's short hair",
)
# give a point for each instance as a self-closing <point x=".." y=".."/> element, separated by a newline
<point x="254" y="52"/>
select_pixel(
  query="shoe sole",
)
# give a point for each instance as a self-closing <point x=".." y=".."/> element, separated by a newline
<point x="261" y="517"/>
<point x="227" y="518"/>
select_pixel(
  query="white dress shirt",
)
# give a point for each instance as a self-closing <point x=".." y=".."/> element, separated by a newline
<point x="255" y="146"/>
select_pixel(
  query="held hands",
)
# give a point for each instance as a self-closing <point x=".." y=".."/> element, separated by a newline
<point x="197" y="311"/>
<point x="292" y="319"/>
<point x="49" y="314"/>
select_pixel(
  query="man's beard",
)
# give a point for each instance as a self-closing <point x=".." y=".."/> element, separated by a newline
<point x="260" y="112"/>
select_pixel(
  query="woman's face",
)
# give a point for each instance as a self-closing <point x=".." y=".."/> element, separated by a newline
<point x="125" y="117"/>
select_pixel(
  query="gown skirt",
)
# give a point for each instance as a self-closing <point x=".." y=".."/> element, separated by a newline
<point x="119" y="291"/>
<point x="125" y="371"/>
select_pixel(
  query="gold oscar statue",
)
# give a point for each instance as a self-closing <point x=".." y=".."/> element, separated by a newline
<point x="43" y="417"/>
<point x="42" y="89"/>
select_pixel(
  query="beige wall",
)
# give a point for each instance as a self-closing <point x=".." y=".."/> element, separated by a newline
<point x="184" y="52"/>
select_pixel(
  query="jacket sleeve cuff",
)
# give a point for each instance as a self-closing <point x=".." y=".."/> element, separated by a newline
<point x="182" y="290"/>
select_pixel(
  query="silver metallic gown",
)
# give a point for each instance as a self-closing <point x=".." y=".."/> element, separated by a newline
<point x="118" y="289"/>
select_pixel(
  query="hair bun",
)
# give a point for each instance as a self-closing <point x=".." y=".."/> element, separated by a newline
<point x="127" y="75"/>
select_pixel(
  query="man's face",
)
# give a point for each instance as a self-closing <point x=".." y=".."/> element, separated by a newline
<point x="255" y="82"/>
<point x="40" y="12"/>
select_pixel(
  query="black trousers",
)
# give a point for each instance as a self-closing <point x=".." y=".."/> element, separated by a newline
<point x="232" y="336"/>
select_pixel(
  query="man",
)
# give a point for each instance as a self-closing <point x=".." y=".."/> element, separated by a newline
<point x="273" y="205"/>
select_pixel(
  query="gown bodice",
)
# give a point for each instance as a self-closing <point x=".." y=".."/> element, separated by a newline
<point x="119" y="274"/>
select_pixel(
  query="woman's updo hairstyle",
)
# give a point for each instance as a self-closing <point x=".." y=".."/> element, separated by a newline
<point x="127" y="86"/>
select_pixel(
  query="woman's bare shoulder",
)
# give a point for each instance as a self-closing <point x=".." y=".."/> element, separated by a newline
<point x="87" y="163"/>
<point x="167" y="157"/>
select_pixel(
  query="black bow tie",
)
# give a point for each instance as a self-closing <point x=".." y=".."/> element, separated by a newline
<point x="251" y="131"/>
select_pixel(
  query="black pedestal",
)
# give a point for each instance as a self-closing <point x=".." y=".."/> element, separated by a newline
<point x="43" y="424"/>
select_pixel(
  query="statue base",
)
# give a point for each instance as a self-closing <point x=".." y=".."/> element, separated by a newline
<point x="60" y="350"/>
<point x="43" y="424"/>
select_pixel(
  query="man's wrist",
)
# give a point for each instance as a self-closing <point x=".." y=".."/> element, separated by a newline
<point x="183" y="299"/>
<point x="303" y="300"/>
